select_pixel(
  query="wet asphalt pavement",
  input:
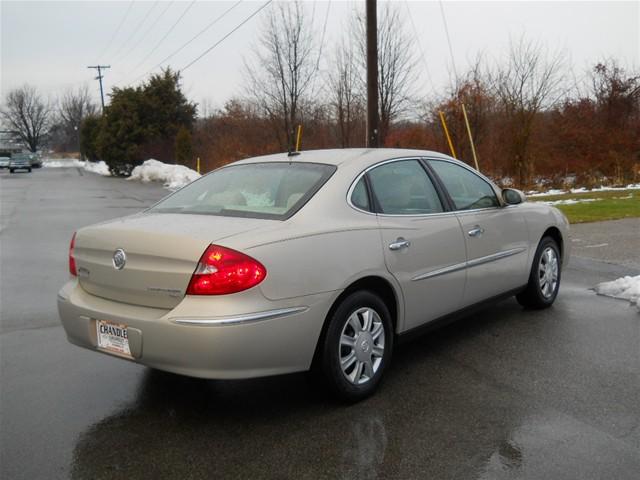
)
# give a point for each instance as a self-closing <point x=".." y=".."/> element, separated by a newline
<point x="505" y="393"/>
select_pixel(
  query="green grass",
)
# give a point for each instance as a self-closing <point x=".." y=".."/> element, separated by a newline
<point x="609" y="205"/>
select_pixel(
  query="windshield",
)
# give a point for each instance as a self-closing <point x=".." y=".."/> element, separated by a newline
<point x="274" y="190"/>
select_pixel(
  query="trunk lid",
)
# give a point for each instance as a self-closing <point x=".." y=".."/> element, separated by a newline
<point x="161" y="253"/>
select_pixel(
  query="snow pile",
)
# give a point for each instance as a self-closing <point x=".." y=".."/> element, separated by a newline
<point x="172" y="176"/>
<point x="100" y="167"/>
<point x="627" y="288"/>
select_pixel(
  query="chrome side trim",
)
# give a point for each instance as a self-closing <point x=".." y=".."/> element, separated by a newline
<point x="471" y="263"/>
<point x="441" y="271"/>
<point x="495" y="256"/>
<point x="240" y="319"/>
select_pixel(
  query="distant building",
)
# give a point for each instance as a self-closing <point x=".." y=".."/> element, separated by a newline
<point x="10" y="144"/>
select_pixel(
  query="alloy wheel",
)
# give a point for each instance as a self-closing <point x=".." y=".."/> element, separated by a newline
<point x="548" y="272"/>
<point x="361" y="345"/>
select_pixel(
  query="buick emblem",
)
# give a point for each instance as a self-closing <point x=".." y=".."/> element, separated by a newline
<point x="119" y="259"/>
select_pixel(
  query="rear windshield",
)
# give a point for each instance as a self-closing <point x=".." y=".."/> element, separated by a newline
<point x="274" y="190"/>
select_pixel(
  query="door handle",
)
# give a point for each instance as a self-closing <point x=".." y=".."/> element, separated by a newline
<point x="399" y="244"/>
<point x="476" y="231"/>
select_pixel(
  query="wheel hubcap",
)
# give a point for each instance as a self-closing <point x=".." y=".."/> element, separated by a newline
<point x="361" y="345"/>
<point x="548" y="272"/>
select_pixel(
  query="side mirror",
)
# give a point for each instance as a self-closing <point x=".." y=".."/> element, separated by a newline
<point x="511" y="196"/>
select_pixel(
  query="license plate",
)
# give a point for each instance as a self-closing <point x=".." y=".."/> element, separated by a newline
<point x="113" y="337"/>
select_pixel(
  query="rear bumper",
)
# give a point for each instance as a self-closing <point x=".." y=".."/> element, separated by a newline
<point x="259" y="338"/>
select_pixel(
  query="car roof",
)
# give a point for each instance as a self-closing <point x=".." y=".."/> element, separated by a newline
<point x="365" y="156"/>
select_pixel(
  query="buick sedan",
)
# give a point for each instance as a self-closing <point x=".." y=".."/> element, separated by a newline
<point x="315" y="260"/>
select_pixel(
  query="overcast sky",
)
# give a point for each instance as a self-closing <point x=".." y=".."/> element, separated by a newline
<point x="50" y="44"/>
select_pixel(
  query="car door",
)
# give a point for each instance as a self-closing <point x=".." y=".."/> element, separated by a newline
<point x="496" y="236"/>
<point x="422" y="241"/>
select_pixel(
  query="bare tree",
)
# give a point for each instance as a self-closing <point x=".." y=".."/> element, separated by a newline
<point x="530" y="81"/>
<point x="396" y="65"/>
<point x="284" y="66"/>
<point x="345" y="96"/>
<point x="73" y="108"/>
<point x="617" y="100"/>
<point x="27" y="114"/>
<point x="616" y="92"/>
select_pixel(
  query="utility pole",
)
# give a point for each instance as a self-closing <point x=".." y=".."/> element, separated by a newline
<point x="99" y="78"/>
<point x="372" y="75"/>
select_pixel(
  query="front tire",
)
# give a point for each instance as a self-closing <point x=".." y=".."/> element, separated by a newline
<point x="544" y="278"/>
<point x="357" y="346"/>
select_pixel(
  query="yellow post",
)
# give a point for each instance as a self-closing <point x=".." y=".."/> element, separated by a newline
<point x="198" y="164"/>
<point x="473" y="147"/>
<point x="298" y="138"/>
<point x="446" y="133"/>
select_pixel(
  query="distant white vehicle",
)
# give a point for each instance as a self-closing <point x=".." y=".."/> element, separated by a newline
<point x="20" y="161"/>
<point x="4" y="162"/>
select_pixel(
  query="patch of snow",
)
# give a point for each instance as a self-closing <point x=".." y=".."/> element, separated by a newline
<point x="572" y="201"/>
<point x="100" y="167"/>
<point x="553" y="191"/>
<point x="626" y="197"/>
<point x="506" y="181"/>
<point x="626" y="288"/>
<point x="62" y="163"/>
<point x="172" y="176"/>
<point x="615" y="189"/>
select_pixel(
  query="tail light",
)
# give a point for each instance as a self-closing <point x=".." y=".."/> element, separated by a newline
<point x="222" y="271"/>
<point x="72" y="260"/>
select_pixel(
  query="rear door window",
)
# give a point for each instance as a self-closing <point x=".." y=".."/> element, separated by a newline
<point x="403" y="188"/>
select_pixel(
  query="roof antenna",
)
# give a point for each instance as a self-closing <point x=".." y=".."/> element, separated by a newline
<point x="293" y="153"/>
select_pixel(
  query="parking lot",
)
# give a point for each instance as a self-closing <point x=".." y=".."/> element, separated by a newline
<point x="505" y="393"/>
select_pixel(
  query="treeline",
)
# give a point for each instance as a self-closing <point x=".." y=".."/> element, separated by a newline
<point x="531" y="117"/>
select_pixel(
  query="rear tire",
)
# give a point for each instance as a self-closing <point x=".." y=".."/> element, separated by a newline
<point x="357" y="346"/>
<point x="544" y="278"/>
<point x="11" y="170"/>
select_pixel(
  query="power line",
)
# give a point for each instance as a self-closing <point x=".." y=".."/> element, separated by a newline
<point x="422" y="54"/>
<point x="135" y="30"/>
<point x="186" y="10"/>
<point x="144" y="35"/>
<point x="216" y="20"/>
<point x="113" y="37"/>
<point x="446" y="29"/>
<point x="226" y="36"/>
<point x="324" y="31"/>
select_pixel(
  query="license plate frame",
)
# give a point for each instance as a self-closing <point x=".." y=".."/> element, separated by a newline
<point x="113" y="337"/>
